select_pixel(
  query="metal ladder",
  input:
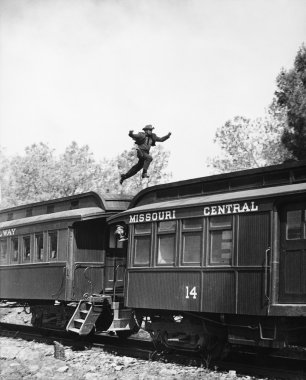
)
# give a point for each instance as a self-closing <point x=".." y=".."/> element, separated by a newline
<point x="86" y="314"/>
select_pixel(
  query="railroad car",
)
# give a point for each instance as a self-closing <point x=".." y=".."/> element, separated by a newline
<point x="220" y="259"/>
<point x="59" y="258"/>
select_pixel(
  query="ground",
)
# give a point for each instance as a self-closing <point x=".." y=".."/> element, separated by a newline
<point x="20" y="359"/>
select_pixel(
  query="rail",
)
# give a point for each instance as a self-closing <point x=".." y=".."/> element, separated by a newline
<point x="115" y="267"/>
<point x="267" y="269"/>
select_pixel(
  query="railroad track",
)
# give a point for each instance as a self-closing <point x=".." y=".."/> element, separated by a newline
<point x="243" y="363"/>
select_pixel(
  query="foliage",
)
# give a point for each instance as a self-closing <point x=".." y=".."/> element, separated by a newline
<point x="41" y="175"/>
<point x="291" y="96"/>
<point x="4" y="178"/>
<point x="247" y="143"/>
<point x="76" y="171"/>
<point x="31" y="175"/>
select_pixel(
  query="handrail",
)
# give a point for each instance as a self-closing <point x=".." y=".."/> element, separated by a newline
<point x="115" y="270"/>
<point x="88" y="279"/>
<point x="267" y="269"/>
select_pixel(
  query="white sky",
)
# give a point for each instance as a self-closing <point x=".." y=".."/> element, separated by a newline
<point x="91" y="70"/>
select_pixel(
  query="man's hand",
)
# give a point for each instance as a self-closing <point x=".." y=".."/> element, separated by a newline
<point x="169" y="134"/>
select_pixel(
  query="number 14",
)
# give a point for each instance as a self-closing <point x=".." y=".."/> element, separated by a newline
<point x="192" y="292"/>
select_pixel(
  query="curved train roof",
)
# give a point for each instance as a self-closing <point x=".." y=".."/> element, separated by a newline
<point x="276" y="175"/>
<point x="236" y="196"/>
<point x="79" y="206"/>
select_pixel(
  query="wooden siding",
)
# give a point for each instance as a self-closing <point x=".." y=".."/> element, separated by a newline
<point x="251" y="298"/>
<point x="218" y="295"/>
<point x="45" y="281"/>
<point x="228" y="290"/>
<point x="88" y="278"/>
<point x="163" y="290"/>
<point x="254" y="238"/>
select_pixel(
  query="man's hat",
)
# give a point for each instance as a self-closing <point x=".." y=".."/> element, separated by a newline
<point x="148" y="127"/>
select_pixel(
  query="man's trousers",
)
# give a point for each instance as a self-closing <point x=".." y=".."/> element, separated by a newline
<point x="144" y="161"/>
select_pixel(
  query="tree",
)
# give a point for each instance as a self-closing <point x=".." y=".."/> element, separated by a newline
<point x="246" y="143"/>
<point x="40" y="175"/>
<point x="291" y="97"/>
<point x="76" y="171"/>
<point x="4" y="178"/>
<point x="31" y="176"/>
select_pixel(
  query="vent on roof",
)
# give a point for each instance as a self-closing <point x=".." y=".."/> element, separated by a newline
<point x="29" y="212"/>
<point x="74" y="204"/>
<point x="50" y="209"/>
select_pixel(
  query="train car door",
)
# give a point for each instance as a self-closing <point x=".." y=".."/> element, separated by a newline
<point x="115" y="262"/>
<point x="293" y="253"/>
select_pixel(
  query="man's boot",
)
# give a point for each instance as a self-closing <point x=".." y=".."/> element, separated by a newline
<point x="122" y="178"/>
<point x="145" y="175"/>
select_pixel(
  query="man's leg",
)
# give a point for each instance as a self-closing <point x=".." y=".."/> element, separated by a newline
<point x="147" y="161"/>
<point x="134" y="169"/>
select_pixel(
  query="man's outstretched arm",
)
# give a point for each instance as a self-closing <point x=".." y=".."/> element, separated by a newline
<point x="161" y="139"/>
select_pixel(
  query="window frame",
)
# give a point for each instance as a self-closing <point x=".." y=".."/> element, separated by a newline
<point x="302" y="224"/>
<point x="49" y="257"/>
<point x="23" y="260"/>
<point x="12" y="239"/>
<point x="189" y="231"/>
<point x="133" y="247"/>
<point x="36" y="234"/>
<point x="6" y="262"/>
<point x="210" y="229"/>
<point x="158" y="233"/>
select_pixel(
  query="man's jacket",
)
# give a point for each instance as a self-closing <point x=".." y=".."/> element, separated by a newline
<point x="140" y="139"/>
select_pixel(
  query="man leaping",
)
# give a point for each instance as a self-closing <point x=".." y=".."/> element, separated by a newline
<point x="144" y="140"/>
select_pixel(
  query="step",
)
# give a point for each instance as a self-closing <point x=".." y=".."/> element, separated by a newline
<point x="79" y="320"/>
<point x="73" y="329"/>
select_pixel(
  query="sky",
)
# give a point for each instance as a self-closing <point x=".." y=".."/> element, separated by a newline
<point x="91" y="70"/>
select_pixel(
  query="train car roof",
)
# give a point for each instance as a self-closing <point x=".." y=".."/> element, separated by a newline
<point x="276" y="175"/>
<point x="85" y="205"/>
<point x="72" y="215"/>
<point x="236" y="196"/>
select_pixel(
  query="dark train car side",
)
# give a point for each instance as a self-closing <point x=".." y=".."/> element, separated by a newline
<point x="220" y="259"/>
<point x="58" y="253"/>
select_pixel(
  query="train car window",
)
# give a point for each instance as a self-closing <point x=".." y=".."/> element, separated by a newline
<point x="29" y="212"/>
<point x="14" y="248"/>
<point x="142" y="250"/>
<point x="221" y="240"/>
<point x="26" y="248"/>
<point x="143" y="228"/>
<point x="39" y="247"/>
<point x="192" y="239"/>
<point x="296" y="224"/>
<point x="52" y="245"/>
<point x="3" y="251"/>
<point x="192" y="223"/>
<point x="142" y="244"/>
<point x="166" y="243"/>
<point x="221" y="221"/>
